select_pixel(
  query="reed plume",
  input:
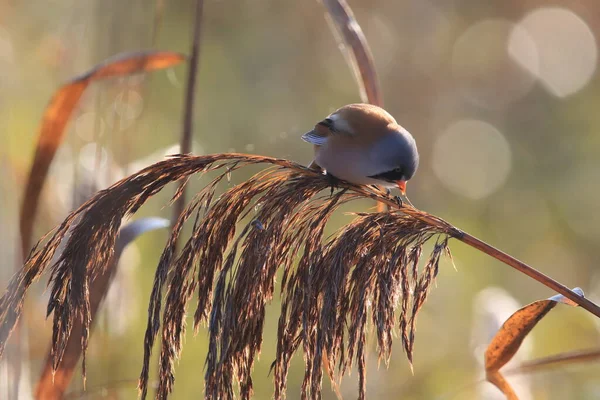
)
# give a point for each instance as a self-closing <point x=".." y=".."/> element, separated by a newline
<point x="332" y="288"/>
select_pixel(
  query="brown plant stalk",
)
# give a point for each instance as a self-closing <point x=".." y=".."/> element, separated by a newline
<point x="190" y="97"/>
<point x="357" y="52"/>
<point x="332" y="288"/>
<point x="360" y="58"/>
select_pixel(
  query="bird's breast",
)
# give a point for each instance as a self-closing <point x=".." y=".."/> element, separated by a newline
<point x="347" y="163"/>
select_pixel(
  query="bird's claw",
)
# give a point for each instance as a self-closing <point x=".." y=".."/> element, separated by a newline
<point x="399" y="201"/>
<point x="333" y="182"/>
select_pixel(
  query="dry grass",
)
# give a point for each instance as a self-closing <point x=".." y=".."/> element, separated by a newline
<point x="331" y="288"/>
<point x="369" y="273"/>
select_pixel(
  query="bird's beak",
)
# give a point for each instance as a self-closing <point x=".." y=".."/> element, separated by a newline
<point x="402" y="186"/>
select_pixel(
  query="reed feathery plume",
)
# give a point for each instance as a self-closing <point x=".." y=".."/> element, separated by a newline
<point x="369" y="272"/>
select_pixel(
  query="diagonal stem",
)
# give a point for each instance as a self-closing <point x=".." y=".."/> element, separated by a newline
<point x="529" y="271"/>
<point x="493" y="252"/>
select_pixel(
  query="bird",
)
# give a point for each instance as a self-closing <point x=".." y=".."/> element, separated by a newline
<point x="363" y="144"/>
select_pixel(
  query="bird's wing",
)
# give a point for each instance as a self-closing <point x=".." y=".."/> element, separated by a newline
<point x="315" y="137"/>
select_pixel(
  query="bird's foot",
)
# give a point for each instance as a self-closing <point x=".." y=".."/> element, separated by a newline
<point x="399" y="201"/>
<point x="333" y="182"/>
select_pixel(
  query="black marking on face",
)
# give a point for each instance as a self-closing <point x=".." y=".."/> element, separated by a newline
<point x="327" y="123"/>
<point x="397" y="174"/>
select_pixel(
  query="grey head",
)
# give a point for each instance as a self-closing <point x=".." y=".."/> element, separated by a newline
<point x="396" y="155"/>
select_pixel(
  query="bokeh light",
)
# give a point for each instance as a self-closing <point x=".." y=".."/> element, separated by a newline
<point x="127" y="107"/>
<point x="566" y="49"/>
<point x="481" y="64"/>
<point x="472" y="158"/>
<point x="90" y="126"/>
<point x="92" y="158"/>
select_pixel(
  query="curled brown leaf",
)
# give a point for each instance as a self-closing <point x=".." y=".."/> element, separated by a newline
<point x="58" y="112"/>
<point x="509" y="338"/>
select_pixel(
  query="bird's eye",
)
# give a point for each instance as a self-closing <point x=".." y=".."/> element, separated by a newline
<point x="398" y="169"/>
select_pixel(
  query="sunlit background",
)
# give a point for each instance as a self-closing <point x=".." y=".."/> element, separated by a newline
<point x="502" y="97"/>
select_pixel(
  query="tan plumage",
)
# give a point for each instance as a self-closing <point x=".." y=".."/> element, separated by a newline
<point x="363" y="144"/>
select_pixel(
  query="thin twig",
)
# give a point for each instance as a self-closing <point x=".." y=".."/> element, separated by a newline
<point x="529" y="271"/>
<point x="190" y="96"/>
<point x="555" y="360"/>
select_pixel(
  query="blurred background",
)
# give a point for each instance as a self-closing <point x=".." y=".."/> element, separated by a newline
<point x="502" y="97"/>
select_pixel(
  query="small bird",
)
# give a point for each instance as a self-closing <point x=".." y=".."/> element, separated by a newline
<point x="363" y="144"/>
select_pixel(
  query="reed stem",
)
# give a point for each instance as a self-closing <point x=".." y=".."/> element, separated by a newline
<point x="190" y="97"/>
<point x="529" y="271"/>
<point x="503" y="257"/>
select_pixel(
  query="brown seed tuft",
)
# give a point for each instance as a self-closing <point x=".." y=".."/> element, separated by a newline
<point x="332" y="288"/>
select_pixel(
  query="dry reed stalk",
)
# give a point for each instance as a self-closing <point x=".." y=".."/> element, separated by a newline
<point x="332" y="288"/>
<point x="357" y="52"/>
<point x="359" y="58"/>
<point x="190" y="97"/>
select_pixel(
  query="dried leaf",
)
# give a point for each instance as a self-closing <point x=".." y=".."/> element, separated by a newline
<point x="58" y="112"/>
<point x="510" y="336"/>
<point x="54" y="384"/>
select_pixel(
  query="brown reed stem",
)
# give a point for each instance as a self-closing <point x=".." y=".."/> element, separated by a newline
<point x="359" y="58"/>
<point x="505" y="258"/>
<point x="529" y="271"/>
<point x="190" y="97"/>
